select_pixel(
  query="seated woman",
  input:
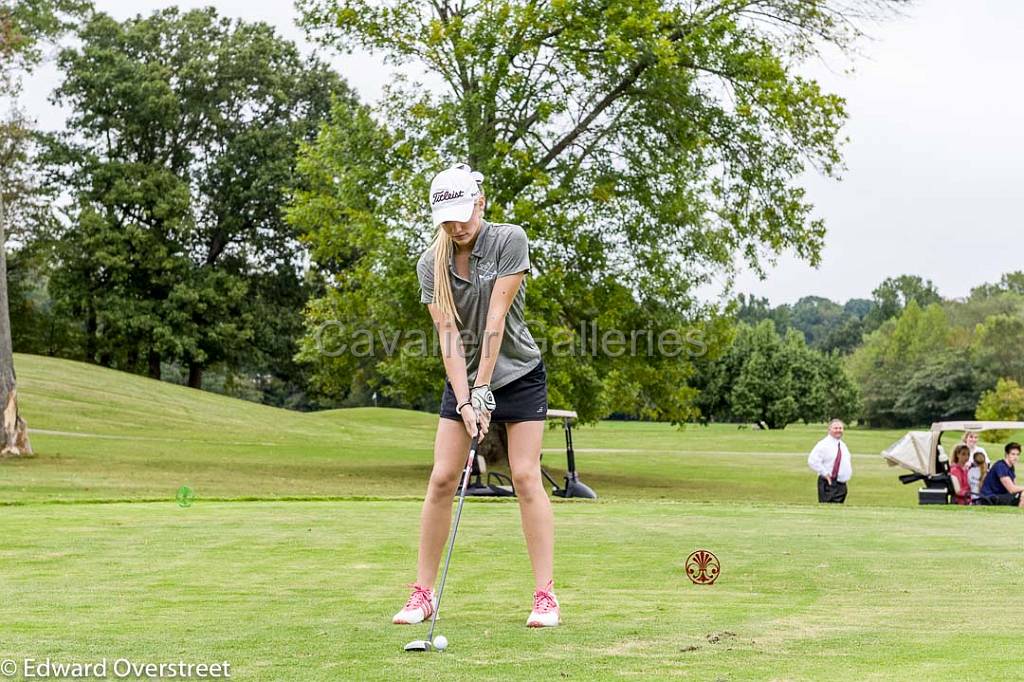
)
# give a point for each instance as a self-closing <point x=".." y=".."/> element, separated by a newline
<point x="976" y="472"/>
<point x="970" y="439"/>
<point x="958" y="471"/>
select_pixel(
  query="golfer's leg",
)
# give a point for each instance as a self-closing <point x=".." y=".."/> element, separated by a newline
<point x="451" y="448"/>
<point x="822" y="490"/>
<point x="524" y="440"/>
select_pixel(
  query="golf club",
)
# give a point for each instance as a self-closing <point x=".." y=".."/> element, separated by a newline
<point x="428" y="643"/>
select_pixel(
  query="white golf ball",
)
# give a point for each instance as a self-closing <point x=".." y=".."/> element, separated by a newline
<point x="440" y="642"/>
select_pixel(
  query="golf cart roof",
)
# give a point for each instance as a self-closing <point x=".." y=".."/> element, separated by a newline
<point x="977" y="426"/>
<point x="919" y="450"/>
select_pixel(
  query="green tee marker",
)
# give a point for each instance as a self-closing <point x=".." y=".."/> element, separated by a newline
<point x="185" y="496"/>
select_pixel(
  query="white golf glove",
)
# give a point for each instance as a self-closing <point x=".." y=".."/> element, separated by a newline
<point x="482" y="399"/>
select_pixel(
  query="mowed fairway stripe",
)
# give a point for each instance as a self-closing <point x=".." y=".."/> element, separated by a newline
<point x="304" y="591"/>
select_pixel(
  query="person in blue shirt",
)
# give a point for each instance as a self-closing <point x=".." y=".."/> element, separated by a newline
<point x="1000" y="485"/>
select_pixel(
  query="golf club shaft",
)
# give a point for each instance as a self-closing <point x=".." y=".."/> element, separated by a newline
<point x="455" y="529"/>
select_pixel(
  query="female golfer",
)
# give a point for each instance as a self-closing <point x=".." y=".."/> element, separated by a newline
<point x="472" y="280"/>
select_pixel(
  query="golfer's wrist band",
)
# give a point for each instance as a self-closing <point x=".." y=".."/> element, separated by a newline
<point x="463" y="404"/>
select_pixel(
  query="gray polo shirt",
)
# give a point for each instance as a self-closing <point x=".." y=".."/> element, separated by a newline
<point x="500" y="250"/>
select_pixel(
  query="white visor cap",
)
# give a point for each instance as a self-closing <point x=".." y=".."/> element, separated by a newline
<point x="452" y="193"/>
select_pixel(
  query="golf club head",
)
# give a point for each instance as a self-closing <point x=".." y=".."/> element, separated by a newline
<point x="418" y="645"/>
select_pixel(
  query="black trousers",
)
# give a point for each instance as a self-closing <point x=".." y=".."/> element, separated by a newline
<point x="835" y="493"/>
<point x="1004" y="500"/>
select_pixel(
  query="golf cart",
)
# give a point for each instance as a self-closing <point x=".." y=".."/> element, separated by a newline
<point x="500" y="485"/>
<point x="923" y="454"/>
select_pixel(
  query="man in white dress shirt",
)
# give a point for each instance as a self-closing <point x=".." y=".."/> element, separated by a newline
<point x="830" y="459"/>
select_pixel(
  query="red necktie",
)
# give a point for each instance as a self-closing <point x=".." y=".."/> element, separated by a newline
<point x="835" y="465"/>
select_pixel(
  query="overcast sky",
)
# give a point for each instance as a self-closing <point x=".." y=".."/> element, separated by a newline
<point x="934" y="180"/>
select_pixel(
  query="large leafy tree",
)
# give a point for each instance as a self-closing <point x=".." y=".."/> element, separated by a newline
<point x="941" y="386"/>
<point x="1005" y="402"/>
<point x="180" y="153"/>
<point x="997" y="343"/>
<point x="894" y="294"/>
<point x="817" y="317"/>
<point x="643" y="145"/>
<point x="904" y="349"/>
<point x="776" y="379"/>
<point x="28" y="218"/>
<point x="1004" y="298"/>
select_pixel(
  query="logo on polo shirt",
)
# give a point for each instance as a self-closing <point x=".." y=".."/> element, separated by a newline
<point x="446" y="195"/>
<point x="488" y="271"/>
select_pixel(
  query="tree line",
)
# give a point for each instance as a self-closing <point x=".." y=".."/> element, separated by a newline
<point x="905" y="357"/>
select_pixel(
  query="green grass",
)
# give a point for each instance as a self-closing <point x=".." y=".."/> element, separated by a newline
<point x="303" y="590"/>
<point x="101" y="434"/>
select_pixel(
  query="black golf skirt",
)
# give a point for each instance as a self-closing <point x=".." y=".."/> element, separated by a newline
<point x="523" y="400"/>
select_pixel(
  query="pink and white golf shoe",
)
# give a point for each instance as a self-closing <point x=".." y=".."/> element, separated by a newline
<point x="546" y="613"/>
<point x="420" y="606"/>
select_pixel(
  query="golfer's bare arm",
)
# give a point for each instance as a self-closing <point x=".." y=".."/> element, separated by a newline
<point x="452" y="353"/>
<point x="1010" y="485"/>
<point x="504" y="292"/>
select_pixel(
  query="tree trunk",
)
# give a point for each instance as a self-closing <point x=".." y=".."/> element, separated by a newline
<point x="14" y="430"/>
<point x="195" y="375"/>
<point x="91" y="327"/>
<point x="132" y="360"/>
<point x="154" y="364"/>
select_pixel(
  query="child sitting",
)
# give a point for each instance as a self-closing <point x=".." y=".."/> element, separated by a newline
<point x="976" y="474"/>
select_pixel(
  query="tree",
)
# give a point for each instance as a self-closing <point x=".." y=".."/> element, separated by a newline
<point x="14" y="434"/>
<point x="895" y="293"/>
<point x="826" y="325"/>
<point x="775" y="379"/>
<point x="180" y="152"/>
<point x="998" y="346"/>
<point x="1003" y="403"/>
<point x="28" y="219"/>
<point x="842" y="397"/>
<point x="25" y="26"/>
<point x="986" y="301"/>
<point x="883" y="366"/>
<point x="817" y="318"/>
<point x="1013" y="282"/>
<point x="751" y="309"/>
<point x="764" y="388"/>
<point x="844" y="337"/>
<point x="645" y="147"/>
<point x="944" y="386"/>
<point x="858" y="307"/>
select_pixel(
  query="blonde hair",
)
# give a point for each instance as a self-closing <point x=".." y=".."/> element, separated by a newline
<point x="443" y="247"/>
